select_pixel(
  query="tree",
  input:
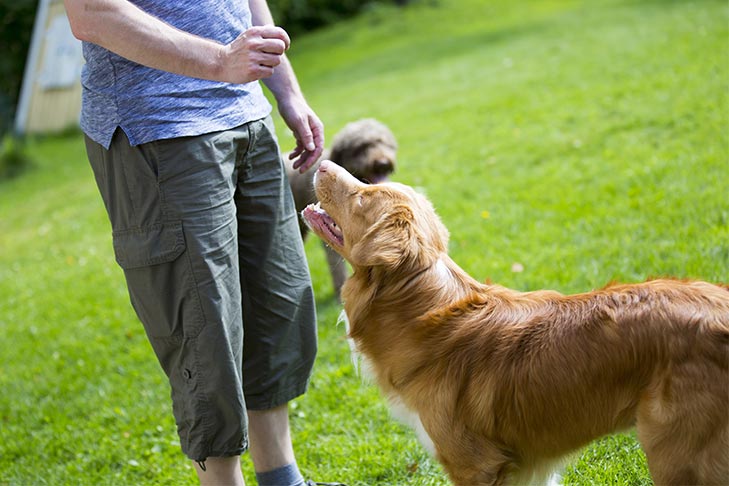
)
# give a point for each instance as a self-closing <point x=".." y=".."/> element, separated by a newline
<point x="16" y="28"/>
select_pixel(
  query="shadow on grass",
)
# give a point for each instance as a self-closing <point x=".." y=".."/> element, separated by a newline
<point x="14" y="159"/>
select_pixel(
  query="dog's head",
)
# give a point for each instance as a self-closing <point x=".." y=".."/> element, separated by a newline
<point x="384" y="225"/>
<point x="367" y="149"/>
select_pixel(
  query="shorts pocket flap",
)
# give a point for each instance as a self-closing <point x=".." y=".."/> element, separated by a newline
<point x="141" y="247"/>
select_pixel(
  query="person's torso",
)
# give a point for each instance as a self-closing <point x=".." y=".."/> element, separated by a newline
<point x="149" y="104"/>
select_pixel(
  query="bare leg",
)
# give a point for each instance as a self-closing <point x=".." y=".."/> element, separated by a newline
<point x="270" y="447"/>
<point x="220" y="471"/>
<point x="270" y="438"/>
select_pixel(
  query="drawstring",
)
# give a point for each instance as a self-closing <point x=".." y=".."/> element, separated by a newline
<point x="202" y="465"/>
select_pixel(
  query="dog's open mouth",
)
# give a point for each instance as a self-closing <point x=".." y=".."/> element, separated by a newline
<point x="321" y="223"/>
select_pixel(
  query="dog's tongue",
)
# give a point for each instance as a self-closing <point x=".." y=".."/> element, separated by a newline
<point x="376" y="179"/>
<point x="318" y="220"/>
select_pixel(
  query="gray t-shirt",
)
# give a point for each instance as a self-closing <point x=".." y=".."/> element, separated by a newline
<point x="149" y="104"/>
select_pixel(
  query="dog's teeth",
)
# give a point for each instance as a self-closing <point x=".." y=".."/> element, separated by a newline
<point x="318" y="209"/>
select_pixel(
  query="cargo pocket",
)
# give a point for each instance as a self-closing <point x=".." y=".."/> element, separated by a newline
<point x="142" y="247"/>
<point x="160" y="284"/>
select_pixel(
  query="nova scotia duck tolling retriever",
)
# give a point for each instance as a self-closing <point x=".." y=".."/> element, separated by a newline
<point x="501" y="384"/>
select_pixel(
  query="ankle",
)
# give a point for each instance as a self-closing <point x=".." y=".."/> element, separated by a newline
<point x="219" y="471"/>
<point x="287" y="475"/>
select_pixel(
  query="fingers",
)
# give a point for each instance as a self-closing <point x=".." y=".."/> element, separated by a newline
<point x="317" y="132"/>
<point x="305" y="160"/>
<point x="310" y="144"/>
<point x="267" y="60"/>
<point x="271" y="32"/>
<point x="254" y="54"/>
<point x="267" y="44"/>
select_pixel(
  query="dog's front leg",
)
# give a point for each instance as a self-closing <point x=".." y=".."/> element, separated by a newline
<point x="475" y="462"/>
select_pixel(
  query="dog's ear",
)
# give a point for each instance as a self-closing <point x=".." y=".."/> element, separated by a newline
<point x="389" y="242"/>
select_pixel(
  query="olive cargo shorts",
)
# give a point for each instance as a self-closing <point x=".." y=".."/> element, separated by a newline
<point x="207" y="234"/>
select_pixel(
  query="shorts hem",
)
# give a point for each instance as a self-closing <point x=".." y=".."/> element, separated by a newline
<point x="238" y="451"/>
<point x="271" y="401"/>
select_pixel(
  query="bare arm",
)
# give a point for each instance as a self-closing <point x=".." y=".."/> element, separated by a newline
<point x="300" y="118"/>
<point x="128" y="31"/>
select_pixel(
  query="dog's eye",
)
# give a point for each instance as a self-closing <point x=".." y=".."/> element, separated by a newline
<point x="360" y="150"/>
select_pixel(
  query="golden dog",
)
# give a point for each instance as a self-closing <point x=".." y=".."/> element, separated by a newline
<point x="501" y="383"/>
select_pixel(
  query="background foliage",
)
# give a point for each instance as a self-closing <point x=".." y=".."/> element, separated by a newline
<point x="299" y="16"/>
<point x="16" y="28"/>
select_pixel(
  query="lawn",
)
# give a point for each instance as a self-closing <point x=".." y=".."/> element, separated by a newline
<point x="565" y="144"/>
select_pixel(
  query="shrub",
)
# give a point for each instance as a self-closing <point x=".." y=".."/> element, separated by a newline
<point x="16" y="27"/>
<point x="13" y="158"/>
<point x="304" y="15"/>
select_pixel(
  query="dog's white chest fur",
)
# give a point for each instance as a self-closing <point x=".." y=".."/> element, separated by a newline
<point x="411" y="419"/>
<point x="398" y="409"/>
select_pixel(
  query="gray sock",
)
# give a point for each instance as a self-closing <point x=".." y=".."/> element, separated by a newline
<point x="288" y="475"/>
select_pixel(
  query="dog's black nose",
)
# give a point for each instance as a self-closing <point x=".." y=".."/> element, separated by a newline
<point x="382" y="166"/>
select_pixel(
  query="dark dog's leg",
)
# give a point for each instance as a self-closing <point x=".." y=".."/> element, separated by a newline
<point x="337" y="269"/>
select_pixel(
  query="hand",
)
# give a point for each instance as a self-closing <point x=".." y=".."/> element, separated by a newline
<point x="308" y="131"/>
<point x="254" y="54"/>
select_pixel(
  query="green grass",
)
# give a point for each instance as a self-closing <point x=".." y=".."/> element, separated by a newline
<point x="586" y="141"/>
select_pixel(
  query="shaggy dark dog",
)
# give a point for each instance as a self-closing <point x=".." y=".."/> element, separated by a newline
<point x="367" y="149"/>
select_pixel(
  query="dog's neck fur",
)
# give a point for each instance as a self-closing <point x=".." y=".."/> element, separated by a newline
<point x="372" y="297"/>
<point x="440" y="281"/>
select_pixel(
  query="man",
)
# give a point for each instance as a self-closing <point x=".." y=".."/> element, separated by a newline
<point x="180" y="139"/>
